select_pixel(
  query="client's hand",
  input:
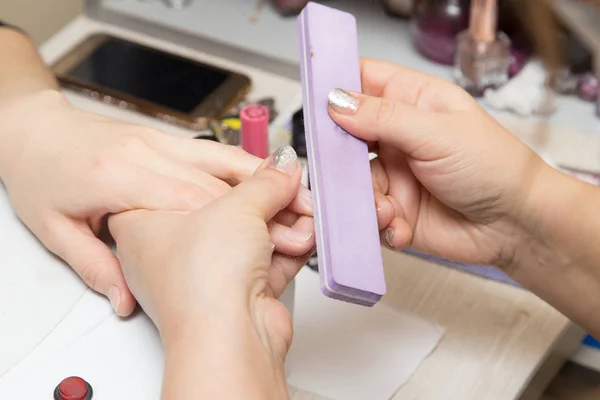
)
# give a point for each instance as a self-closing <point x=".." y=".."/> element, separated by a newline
<point x="449" y="180"/>
<point x="210" y="281"/>
<point x="66" y="169"/>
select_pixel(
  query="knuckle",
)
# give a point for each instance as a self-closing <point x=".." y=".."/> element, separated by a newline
<point x="147" y="133"/>
<point x="233" y="169"/>
<point x="90" y="274"/>
<point x="108" y="162"/>
<point x="271" y="182"/>
<point x="191" y="194"/>
<point x="220" y="187"/>
<point x="135" y="142"/>
<point x="235" y="151"/>
<point x="385" y="111"/>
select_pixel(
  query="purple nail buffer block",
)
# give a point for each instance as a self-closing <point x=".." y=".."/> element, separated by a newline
<point x="350" y="262"/>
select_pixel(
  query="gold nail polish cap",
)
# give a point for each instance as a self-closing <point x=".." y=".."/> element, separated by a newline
<point x="483" y="20"/>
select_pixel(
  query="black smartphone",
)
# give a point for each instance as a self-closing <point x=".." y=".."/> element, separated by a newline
<point x="167" y="86"/>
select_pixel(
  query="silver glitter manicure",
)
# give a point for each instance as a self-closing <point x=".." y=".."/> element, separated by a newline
<point x="285" y="159"/>
<point x="389" y="235"/>
<point x="342" y="101"/>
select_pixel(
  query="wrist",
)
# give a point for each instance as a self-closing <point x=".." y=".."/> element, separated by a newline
<point x="35" y="101"/>
<point x="220" y="356"/>
<point x="24" y="72"/>
<point x="553" y="199"/>
<point x="20" y="119"/>
<point x="558" y="256"/>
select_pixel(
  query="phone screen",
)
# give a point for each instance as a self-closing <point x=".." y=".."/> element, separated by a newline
<point x="147" y="74"/>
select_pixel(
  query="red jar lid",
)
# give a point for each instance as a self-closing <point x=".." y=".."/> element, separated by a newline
<point x="72" y="388"/>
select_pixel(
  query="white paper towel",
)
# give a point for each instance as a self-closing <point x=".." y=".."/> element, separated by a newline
<point x="347" y="352"/>
<point x="341" y="351"/>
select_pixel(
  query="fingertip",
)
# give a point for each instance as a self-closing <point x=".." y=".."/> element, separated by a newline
<point x="98" y="267"/>
<point x="293" y="241"/>
<point x="403" y="236"/>
<point x="397" y="235"/>
<point x="305" y="223"/>
<point x="385" y="210"/>
<point x="388" y="236"/>
<point x="272" y="188"/>
<point x="284" y="159"/>
<point x="126" y="304"/>
<point x="302" y="203"/>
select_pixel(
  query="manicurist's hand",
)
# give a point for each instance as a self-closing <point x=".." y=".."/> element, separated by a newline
<point x="210" y="281"/>
<point x="448" y="179"/>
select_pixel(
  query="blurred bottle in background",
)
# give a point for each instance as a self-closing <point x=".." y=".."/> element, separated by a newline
<point x="289" y="7"/>
<point x="435" y="26"/>
<point x="177" y="4"/>
<point x="400" y="8"/>
<point x="483" y="53"/>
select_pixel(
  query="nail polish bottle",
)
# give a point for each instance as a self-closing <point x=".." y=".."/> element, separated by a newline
<point x="518" y="59"/>
<point x="435" y="25"/>
<point x="399" y="8"/>
<point x="298" y="135"/>
<point x="289" y="7"/>
<point x="565" y="82"/>
<point x="588" y="87"/>
<point x="177" y="4"/>
<point x="597" y="70"/>
<point x="483" y="54"/>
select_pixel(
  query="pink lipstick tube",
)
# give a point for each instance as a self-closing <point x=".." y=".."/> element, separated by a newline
<point x="255" y="130"/>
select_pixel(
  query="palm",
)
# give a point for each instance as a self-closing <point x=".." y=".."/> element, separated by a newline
<point x="435" y="227"/>
<point x="275" y="317"/>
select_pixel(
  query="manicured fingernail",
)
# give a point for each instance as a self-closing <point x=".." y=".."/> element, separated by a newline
<point x="306" y="198"/>
<point x="389" y="235"/>
<point x="298" y="236"/>
<point x="114" y="295"/>
<point x="284" y="159"/>
<point x="342" y="102"/>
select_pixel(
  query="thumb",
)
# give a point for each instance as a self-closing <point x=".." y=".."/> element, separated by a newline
<point x="271" y="189"/>
<point x="379" y="119"/>
<point x="95" y="264"/>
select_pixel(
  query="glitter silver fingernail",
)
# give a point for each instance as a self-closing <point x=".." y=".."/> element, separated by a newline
<point x="389" y="235"/>
<point x="342" y="101"/>
<point x="285" y="159"/>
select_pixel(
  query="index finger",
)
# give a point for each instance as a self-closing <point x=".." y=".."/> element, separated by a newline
<point x="271" y="189"/>
<point x="375" y="75"/>
<point x="228" y="163"/>
<point x="409" y="86"/>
